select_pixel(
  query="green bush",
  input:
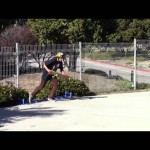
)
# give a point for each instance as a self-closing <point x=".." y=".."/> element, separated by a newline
<point x="99" y="56"/>
<point x="10" y="95"/>
<point x="142" y="86"/>
<point x="124" y="84"/>
<point x="77" y="87"/>
<point x="96" y="72"/>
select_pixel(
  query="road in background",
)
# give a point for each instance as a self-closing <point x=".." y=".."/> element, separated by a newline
<point x="123" y="71"/>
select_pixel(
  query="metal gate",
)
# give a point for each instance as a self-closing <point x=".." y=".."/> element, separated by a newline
<point x="28" y="59"/>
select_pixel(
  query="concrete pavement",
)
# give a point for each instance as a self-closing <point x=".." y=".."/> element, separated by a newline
<point x="114" y="112"/>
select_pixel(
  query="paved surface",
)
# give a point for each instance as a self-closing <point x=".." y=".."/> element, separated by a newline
<point x="115" y="112"/>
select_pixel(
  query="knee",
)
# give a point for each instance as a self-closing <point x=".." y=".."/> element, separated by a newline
<point x="55" y="85"/>
<point x="40" y="88"/>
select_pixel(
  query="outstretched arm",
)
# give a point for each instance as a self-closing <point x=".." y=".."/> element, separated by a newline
<point x="48" y="70"/>
<point x="52" y="72"/>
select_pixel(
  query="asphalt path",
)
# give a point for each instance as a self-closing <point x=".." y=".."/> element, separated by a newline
<point x="114" y="112"/>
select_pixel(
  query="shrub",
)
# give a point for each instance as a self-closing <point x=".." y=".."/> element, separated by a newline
<point x="10" y="95"/>
<point x="127" y="85"/>
<point x="96" y="72"/>
<point x="143" y="86"/>
<point x="124" y="84"/>
<point x="77" y="87"/>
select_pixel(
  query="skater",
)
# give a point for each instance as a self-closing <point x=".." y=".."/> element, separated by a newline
<point x="49" y="73"/>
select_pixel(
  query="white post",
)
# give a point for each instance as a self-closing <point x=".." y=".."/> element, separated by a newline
<point x="134" y="64"/>
<point x="80" y="61"/>
<point x="17" y="65"/>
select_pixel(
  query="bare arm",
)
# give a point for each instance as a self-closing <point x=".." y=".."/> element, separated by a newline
<point x="48" y="70"/>
<point x="52" y="72"/>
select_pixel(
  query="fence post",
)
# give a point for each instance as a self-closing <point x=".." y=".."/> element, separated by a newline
<point x="132" y="76"/>
<point x="80" y="61"/>
<point x="134" y="64"/>
<point x="109" y="73"/>
<point x="17" y="65"/>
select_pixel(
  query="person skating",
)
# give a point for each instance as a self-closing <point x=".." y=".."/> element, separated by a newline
<point x="49" y="73"/>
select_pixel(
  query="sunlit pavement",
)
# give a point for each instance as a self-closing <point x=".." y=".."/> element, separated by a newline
<point x="114" y="112"/>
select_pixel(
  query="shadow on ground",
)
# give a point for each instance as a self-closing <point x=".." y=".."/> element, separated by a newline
<point x="91" y="97"/>
<point x="13" y="114"/>
<point x="81" y="98"/>
<point x="61" y="98"/>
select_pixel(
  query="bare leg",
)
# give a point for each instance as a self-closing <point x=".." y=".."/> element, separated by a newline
<point x="54" y="89"/>
<point x="39" y="88"/>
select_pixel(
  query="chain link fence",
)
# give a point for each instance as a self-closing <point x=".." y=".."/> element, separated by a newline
<point x="143" y="54"/>
<point x="99" y="64"/>
<point x="7" y="64"/>
<point x="109" y="55"/>
<point x="22" y="65"/>
<point x="143" y="61"/>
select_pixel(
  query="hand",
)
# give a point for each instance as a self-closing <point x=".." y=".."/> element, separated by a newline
<point x="51" y="72"/>
<point x="64" y="73"/>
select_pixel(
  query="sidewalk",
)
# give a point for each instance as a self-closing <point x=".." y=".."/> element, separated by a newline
<point x="115" y="112"/>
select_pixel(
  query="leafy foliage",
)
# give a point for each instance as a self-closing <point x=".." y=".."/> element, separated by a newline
<point x="17" y="34"/>
<point x="49" y="31"/>
<point x="77" y="87"/>
<point x="71" y="30"/>
<point x="10" y="95"/>
<point x="128" y="29"/>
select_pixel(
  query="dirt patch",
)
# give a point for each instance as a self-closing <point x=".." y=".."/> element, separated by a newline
<point x="96" y="83"/>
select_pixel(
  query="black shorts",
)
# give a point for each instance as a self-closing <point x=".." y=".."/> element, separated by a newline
<point x="46" y="77"/>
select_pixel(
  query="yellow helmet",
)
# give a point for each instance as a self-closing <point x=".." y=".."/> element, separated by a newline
<point x="59" y="55"/>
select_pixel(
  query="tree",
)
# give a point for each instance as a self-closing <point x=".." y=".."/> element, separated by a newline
<point x="75" y="30"/>
<point x="71" y="30"/>
<point x="5" y="23"/>
<point x="146" y="24"/>
<point x="135" y="30"/>
<point x="121" y="26"/>
<point x="128" y="29"/>
<point x="17" y="34"/>
<point x="48" y="30"/>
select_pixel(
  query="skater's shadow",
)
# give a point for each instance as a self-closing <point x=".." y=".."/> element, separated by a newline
<point x="80" y="98"/>
<point x="90" y="97"/>
<point x="22" y="112"/>
<point x="61" y="98"/>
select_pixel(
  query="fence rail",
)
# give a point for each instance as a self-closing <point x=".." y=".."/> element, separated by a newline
<point x="31" y="57"/>
<point x="117" y="58"/>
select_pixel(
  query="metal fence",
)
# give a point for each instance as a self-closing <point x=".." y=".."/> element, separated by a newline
<point x="125" y="60"/>
<point x="19" y="60"/>
<point x="7" y="62"/>
<point x="143" y="61"/>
